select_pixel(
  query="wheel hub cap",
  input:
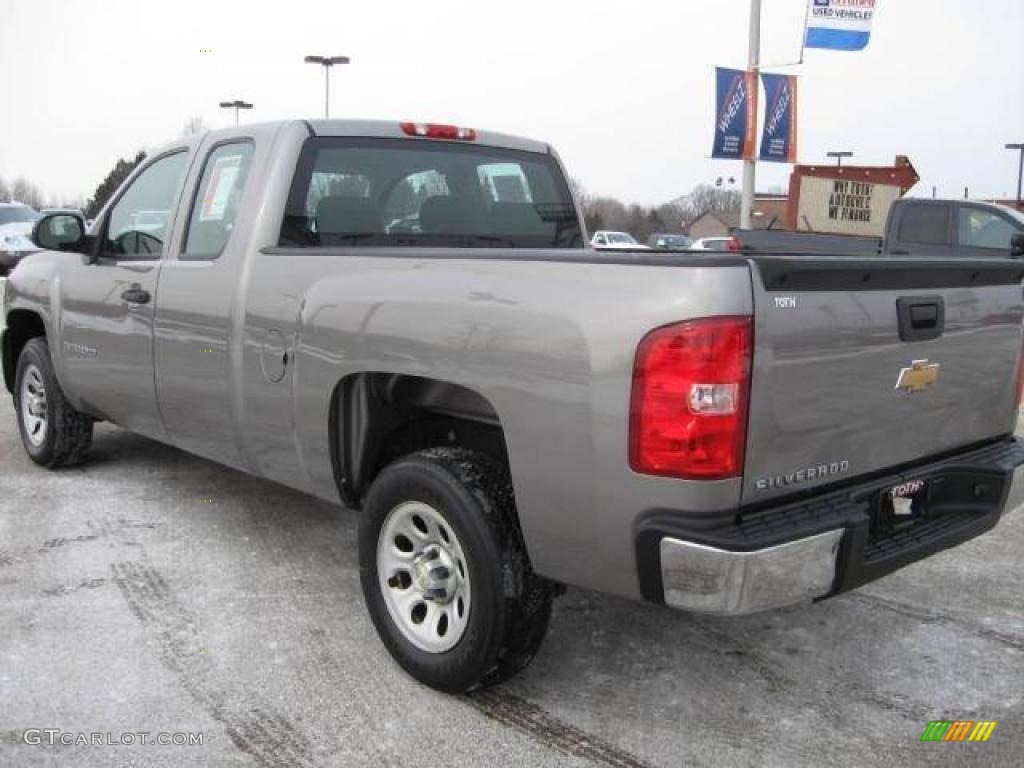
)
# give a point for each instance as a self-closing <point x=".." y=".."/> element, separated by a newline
<point x="433" y="573"/>
<point x="423" y="576"/>
<point x="33" y="405"/>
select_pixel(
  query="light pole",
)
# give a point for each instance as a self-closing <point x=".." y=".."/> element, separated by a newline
<point x="237" y="104"/>
<point x="1020" y="171"/>
<point x="327" y="62"/>
<point x="750" y="166"/>
<point x="839" y="157"/>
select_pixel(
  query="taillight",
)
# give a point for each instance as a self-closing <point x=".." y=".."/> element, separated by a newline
<point x="733" y="245"/>
<point x="439" y="131"/>
<point x="691" y="386"/>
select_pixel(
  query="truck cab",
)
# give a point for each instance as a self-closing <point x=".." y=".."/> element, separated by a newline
<point x="951" y="229"/>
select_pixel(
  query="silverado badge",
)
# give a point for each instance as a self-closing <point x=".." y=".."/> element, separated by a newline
<point x="918" y="377"/>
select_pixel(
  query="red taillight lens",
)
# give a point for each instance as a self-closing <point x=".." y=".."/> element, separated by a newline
<point x="733" y="245"/>
<point x="691" y="386"/>
<point x="438" y="131"/>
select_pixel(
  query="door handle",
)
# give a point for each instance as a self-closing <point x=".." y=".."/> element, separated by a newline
<point x="921" y="317"/>
<point x="136" y="296"/>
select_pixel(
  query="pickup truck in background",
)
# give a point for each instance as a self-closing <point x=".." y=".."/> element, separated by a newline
<point x="354" y="309"/>
<point x="914" y="227"/>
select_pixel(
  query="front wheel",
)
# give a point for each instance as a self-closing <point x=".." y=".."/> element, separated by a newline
<point x="53" y="432"/>
<point x="445" y="574"/>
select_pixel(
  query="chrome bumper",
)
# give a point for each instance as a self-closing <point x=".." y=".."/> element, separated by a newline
<point x="708" y="580"/>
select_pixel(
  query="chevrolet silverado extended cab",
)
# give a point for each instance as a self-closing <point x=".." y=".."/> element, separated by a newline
<point x="406" y="319"/>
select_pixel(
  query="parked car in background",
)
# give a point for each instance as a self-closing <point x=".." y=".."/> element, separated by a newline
<point x="664" y="242"/>
<point x="722" y="244"/>
<point x="615" y="241"/>
<point x="16" y="221"/>
<point x="915" y="227"/>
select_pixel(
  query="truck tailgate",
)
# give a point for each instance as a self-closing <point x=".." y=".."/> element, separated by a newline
<point x="864" y="365"/>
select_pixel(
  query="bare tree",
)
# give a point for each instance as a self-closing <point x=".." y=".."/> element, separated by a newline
<point x="5" y="193"/>
<point x="24" y="191"/>
<point x="705" y="198"/>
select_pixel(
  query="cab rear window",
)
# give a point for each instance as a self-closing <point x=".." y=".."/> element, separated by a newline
<point x="394" y="192"/>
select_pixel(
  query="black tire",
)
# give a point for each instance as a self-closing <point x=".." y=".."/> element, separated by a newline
<point x="68" y="433"/>
<point x="511" y="605"/>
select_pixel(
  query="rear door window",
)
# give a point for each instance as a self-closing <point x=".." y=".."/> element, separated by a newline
<point x="217" y="201"/>
<point x="927" y="224"/>
<point x="394" y="192"/>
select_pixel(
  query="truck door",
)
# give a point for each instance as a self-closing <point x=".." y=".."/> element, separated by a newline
<point x="106" y="319"/>
<point x="984" y="233"/>
<point x="192" y="344"/>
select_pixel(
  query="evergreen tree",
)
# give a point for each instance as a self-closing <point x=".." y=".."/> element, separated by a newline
<point x="121" y="171"/>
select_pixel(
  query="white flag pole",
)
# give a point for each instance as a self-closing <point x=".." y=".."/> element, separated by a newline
<point x="803" y="36"/>
<point x="750" y="166"/>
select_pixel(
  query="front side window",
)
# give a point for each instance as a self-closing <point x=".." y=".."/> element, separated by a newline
<point x="217" y="201"/>
<point x="394" y="192"/>
<point x="984" y="229"/>
<point x="139" y="221"/>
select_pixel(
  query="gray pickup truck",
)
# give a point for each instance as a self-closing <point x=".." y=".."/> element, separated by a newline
<point x="965" y="229"/>
<point x="406" y="319"/>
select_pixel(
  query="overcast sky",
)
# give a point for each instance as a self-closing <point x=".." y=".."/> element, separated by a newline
<point x="624" y="90"/>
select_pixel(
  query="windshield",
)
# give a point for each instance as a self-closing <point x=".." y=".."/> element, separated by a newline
<point x="395" y="192"/>
<point x="11" y="214"/>
<point x="621" y="237"/>
<point x="1017" y="216"/>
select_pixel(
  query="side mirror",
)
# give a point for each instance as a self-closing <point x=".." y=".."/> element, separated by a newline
<point x="60" y="232"/>
<point x="1017" y="246"/>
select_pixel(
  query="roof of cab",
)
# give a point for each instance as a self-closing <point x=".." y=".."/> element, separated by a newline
<point x="392" y="129"/>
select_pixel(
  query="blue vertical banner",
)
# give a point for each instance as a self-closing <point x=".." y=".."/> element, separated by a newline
<point x="778" y="140"/>
<point x="839" y="25"/>
<point x="735" y="129"/>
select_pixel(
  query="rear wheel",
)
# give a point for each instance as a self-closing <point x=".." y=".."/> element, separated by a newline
<point x="53" y="432"/>
<point x="445" y="573"/>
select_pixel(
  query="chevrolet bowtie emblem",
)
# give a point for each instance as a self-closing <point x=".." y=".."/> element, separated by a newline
<point x="918" y="377"/>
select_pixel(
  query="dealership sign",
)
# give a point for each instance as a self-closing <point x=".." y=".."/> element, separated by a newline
<point x="841" y="25"/>
<point x="736" y="114"/>
<point x="845" y="206"/>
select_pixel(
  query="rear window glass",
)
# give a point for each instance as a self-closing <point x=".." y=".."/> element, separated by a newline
<point x="925" y="224"/>
<point x="393" y="192"/>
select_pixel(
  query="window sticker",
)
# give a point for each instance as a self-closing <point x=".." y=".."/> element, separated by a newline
<point x="218" y="190"/>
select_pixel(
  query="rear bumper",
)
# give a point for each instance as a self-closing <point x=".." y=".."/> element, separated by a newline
<point x="824" y="544"/>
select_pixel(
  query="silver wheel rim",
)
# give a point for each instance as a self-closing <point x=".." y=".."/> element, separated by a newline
<point x="423" y="576"/>
<point x="33" y="405"/>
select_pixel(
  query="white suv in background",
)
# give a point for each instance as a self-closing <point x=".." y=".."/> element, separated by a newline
<point x="16" y="221"/>
<point x="616" y="241"/>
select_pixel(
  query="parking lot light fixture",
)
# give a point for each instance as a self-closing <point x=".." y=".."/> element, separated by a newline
<point x="237" y="104"/>
<point x="839" y="157"/>
<point x="327" y="62"/>
<point x="1020" y="171"/>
